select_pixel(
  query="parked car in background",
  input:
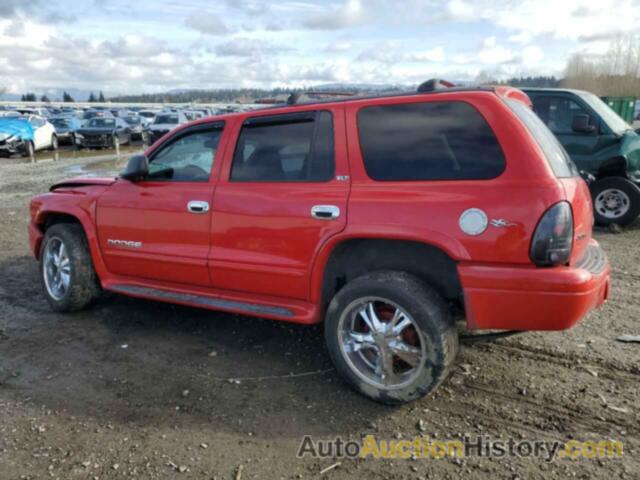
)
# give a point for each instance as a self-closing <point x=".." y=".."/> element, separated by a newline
<point x="91" y="113"/>
<point x="386" y="218"/>
<point x="164" y="122"/>
<point x="148" y="114"/>
<point x="601" y="144"/>
<point x="25" y="135"/>
<point x="66" y="127"/>
<point x="100" y="132"/>
<point x="37" y="111"/>
<point x="137" y="126"/>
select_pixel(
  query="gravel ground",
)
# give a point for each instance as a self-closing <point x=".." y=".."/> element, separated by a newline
<point x="137" y="389"/>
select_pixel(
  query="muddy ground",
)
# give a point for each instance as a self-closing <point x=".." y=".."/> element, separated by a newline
<point x="137" y="389"/>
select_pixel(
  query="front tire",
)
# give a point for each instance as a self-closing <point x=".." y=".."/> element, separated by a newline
<point x="391" y="337"/>
<point x="615" y="200"/>
<point x="68" y="279"/>
<point x="54" y="142"/>
<point x="29" y="150"/>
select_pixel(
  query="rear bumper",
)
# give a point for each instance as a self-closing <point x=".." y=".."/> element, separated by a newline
<point x="529" y="298"/>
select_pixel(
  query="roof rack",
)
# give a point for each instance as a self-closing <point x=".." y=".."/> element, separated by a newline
<point x="294" y="97"/>
<point x="433" y="85"/>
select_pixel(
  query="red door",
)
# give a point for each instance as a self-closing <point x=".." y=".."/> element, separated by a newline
<point x="159" y="228"/>
<point x="283" y="193"/>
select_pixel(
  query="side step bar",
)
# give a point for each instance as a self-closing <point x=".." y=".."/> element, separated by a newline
<point x="200" y="300"/>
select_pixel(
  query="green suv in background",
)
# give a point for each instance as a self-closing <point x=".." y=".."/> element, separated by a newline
<point x="601" y="144"/>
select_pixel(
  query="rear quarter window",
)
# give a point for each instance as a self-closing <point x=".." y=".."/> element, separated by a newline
<point x="554" y="152"/>
<point x="428" y="141"/>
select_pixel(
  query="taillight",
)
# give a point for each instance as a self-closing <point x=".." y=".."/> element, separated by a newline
<point x="553" y="238"/>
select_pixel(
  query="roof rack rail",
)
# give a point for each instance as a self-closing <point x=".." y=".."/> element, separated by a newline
<point x="294" y="97"/>
<point x="434" y="84"/>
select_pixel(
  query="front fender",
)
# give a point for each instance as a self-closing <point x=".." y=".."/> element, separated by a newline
<point x="78" y="203"/>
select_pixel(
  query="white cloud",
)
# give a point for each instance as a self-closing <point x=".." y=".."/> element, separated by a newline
<point x="206" y="23"/>
<point x="567" y="19"/>
<point x="461" y="10"/>
<point x="434" y="55"/>
<point x="492" y="53"/>
<point x="347" y="15"/>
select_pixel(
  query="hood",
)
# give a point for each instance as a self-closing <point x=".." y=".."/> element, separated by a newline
<point x="630" y="148"/>
<point x="16" y="126"/>
<point x="83" y="182"/>
<point x="95" y="131"/>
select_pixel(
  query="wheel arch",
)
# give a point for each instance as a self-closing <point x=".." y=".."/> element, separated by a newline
<point x="75" y="215"/>
<point x="613" y="167"/>
<point x="351" y="257"/>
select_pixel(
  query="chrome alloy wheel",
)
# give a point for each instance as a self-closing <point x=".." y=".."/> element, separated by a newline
<point x="381" y="343"/>
<point x="56" y="268"/>
<point x="612" y="203"/>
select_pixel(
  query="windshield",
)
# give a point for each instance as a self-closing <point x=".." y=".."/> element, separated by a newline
<point x="101" y="123"/>
<point x="132" y="120"/>
<point x="166" y="119"/>
<point x="59" y="122"/>
<point x="609" y="117"/>
<point x="558" y="158"/>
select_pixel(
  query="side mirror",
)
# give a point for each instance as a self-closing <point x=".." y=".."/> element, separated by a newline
<point x="137" y="168"/>
<point x="580" y="124"/>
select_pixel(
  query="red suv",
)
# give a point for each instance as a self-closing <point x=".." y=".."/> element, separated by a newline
<point x="386" y="217"/>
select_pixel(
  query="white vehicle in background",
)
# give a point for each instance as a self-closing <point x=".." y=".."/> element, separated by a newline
<point x="26" y="134"/>
<point x="44" y="133"/>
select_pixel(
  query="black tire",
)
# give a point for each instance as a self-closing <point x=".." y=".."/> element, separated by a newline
<point x="54" y="142"/>
<point x="29" y="150"/>
<point x="84" y="286"/>
<point x="428" y="311"/>
<point x="624" y="205"/>
<point x="115" y="142"/>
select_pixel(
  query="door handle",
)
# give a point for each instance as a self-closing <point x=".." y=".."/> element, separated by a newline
<point x="197" y="206"/>
<point x="325" y="212"/>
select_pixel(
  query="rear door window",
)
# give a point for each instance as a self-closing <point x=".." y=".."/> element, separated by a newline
<point x="428" y="141"/>
<point x="285" y="148"/>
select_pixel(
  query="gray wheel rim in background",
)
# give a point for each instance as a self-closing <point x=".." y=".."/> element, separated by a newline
<point x="612" y="203"/>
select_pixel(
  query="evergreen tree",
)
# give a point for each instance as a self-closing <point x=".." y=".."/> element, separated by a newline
<point x="101" y="98"/>
<point x="92" y="98"/>
<point x="45" y="99"/>
<point x="67" y="98"/>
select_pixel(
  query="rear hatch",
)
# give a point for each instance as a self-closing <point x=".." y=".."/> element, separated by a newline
<point x="576" y="189"/>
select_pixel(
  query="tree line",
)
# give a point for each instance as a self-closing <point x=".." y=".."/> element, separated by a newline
<point x="66" y="97"/>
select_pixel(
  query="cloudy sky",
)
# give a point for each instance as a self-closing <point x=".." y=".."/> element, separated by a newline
<point x="124" y="46"/>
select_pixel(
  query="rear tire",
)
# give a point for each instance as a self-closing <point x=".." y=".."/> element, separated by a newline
<point x="115" y="142"/>
<point x="67" y="275"/>
<point x="615" y="200"/>
<point x="384" y="363"/>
